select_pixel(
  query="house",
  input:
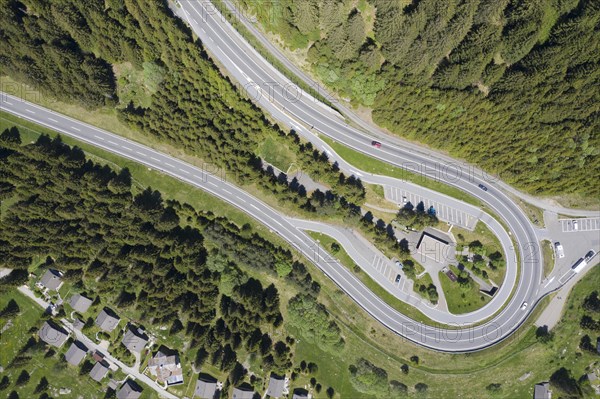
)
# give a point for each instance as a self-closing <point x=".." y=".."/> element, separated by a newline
<point x="52" y="334"/>
<point x="300" y="393"/>
<point x="80" y="303"/>
<point x="166" y="368"/>
<point x="98" y="356"/>
<point x="206" y="387"/>
<point x="129" y="390"/>
<point x="99" y="371"/>
<point x="435" y="245"/>
<point x="107" y="320"/>
<point x="242" y="393"/>
<point x="52" y="280"/>
<point x="542" y="391"/>
<point x="277" y="386"/>
<point x="76" y="353"/>
<point x="134" y="339"/>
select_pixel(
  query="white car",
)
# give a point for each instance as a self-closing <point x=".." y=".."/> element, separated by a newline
<point x="560" y="252"/>
<point x="575" y="225"/>
<point x="524" y="306"/>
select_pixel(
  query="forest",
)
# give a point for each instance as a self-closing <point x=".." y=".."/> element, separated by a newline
<point x="137" y="250"/>
<point x="510" y="85"/>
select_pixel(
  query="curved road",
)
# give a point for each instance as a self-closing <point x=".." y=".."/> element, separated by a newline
<point x="468" y="338"/>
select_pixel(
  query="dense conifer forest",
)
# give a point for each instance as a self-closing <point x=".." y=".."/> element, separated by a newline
<point x="510" y="85"/>
<point x="140" y="251"/>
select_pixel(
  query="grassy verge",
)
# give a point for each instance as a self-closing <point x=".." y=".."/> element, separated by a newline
<point x="535" y="214"/>
<point x="372" y="165"/>
<point x="276" y="154"/>
<point x="345" y="259"/>
<point x="548" y="255"/>
<point x="460" y="300"/>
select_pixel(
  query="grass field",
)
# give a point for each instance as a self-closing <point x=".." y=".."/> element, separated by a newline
<point x="548" y="254"/>
<point x="276" y="154"/>
<point x="461" y="301"/>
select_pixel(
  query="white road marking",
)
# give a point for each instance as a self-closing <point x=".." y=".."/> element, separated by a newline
<point x="53" y="120"/>
<point x="155" y="159"/>
<point x="550" y="281"/>
<point x="112" y="142"/>
<point x="100" y="138"/>
<point x="127" y="148"/>
<point x="169" y="165"/>
<point x="74" y="128"/>
<point x="8" y="102"/>
<point x="185" y="171"/>
<point x="30" y="111"/>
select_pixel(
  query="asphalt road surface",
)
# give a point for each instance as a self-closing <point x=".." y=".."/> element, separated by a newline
<point x="468" y="338"/>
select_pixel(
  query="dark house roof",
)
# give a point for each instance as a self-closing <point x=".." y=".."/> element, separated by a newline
<point x="99" y="371"/>
<point x="134" y="339"/>
<point x="53" y="334"/>
<point x="300" y="393"/>
<point x="80" y="303"/>
<point x="76" y="353"/>
<point x="107" y="320"/>
<point x="52" y="279"/>
<point x="240" y="393"/>
<point x="276" y="386"/>
<point x="129" y="390"/>
<point x="205" y="389"/>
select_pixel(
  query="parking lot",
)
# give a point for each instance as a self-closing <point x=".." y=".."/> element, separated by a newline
<point x="443" y="212"/>
<point x="584" y="224"/>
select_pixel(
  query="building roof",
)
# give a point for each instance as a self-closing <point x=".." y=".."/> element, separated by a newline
<point x="435" y="245"/>
<point x="107" y="320"/>
<point x="76" y="353"/>
<point x="129" y="390"/>
<point x="300" y="393"/>
<point x="134" y="339"/>
<point x="78" y="324"/>
<point x="205" y="389"/>
<point x="241" y="394"/>
<point x="542" y="391"/>
<point x="80" y="303"/>
<point x="99" y="371"/>
<point x="52" y="279"/>
<point x="276" y="386"/>
<point x="166" y="368"/>
<point x="52" y="334"/>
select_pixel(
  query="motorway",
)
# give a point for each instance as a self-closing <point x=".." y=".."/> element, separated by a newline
<point x="307" y="115"/>
<point x="468" y="338"/>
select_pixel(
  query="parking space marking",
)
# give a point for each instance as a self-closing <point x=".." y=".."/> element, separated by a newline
<point x="583" y="224"/>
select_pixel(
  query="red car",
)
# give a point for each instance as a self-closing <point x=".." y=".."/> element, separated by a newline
<point x="376" y="144"/>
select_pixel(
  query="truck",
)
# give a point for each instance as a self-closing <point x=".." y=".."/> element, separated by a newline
<point x="579" y="265"/>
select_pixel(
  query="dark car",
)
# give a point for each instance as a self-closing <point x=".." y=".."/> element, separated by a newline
<point x="376" y="144"/>
<point x="590" y="255"/>
<point x="398" y="277"/>
<point x="484" y="188"/>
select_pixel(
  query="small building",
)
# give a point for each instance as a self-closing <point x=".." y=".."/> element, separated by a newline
<point x="542" y="391"/>
<point x="277" y="386"/>
<point x="129" y="390"/>
<point x="76" y="353"/>
<point x="206" y="387"/>
<point x="52" y="334"/>
<point x="242" y="393"/>
<point x="107" y="320"/>
<point x="134" y="339"/>
<point x="80" y="303"/>
<point x="166" y="368"/>
<point x="300" y="393"/>
<point x="436" y="245"/>
<point x="52" y="280"/>
<point x="78" y="324"/>
<point x="99" y="371"/>
<point x="98" y="356"/>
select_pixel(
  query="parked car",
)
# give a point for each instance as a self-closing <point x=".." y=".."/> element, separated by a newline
<point x="399" y="264"/>
<point x="560" y="252"/>
<point x="524" y="306"/>
<point x="590" y="255"/>
<point x="398" y="277"/>
<point x="484" y="188"/>
<point x="575" y="225"/>
<point x="376" y="144"/>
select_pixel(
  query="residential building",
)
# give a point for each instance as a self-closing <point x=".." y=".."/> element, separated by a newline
<point x="53" y="334"/>
<point x="107" y="320"/>
<point x="300" y="393"/>
<point x="99" y="371"/>
<point x="134" y="339"/>
<point x="76" y="353"/>
<point x="206" y="387"/>
<point x="277" y="386"/>
<point x="542" y="391"/>
<point x="52" y="280"/>
<point x="80" y="303"/>
<point x="129" y="390"/>
<point x="242" y="393"/>
<point x="166" y="368"/>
